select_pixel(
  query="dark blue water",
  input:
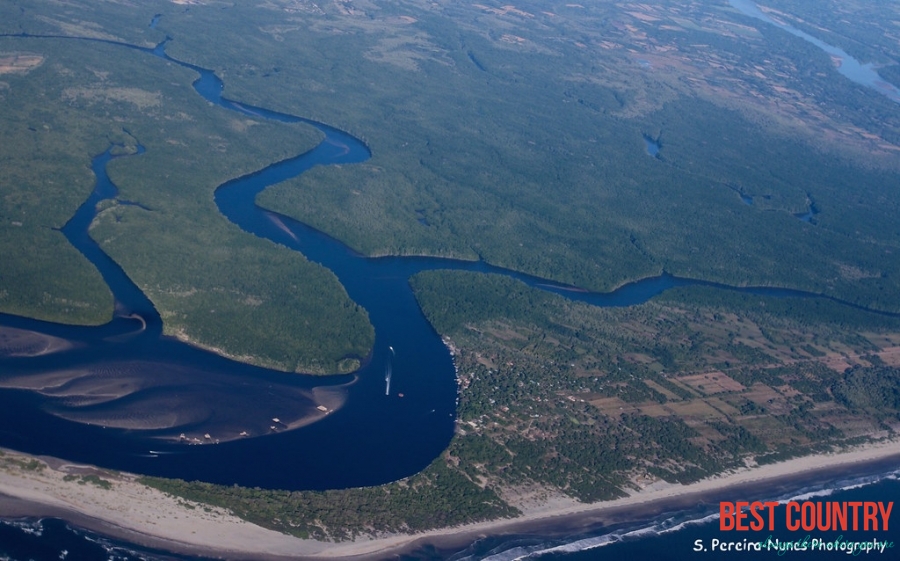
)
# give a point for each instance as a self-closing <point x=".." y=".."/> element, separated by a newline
<point x="153" y="388"/>
<point x="169" y="389"/>
<point x="54" y="540"/>
<point x="665" y="537"/>
<point x="374" y="438"/>
<point x="812" y="210"/>
<point x="652" y="146"/>
<point x="808" y="216"/>
<point x="674" y="536"/>
<point x="130" y="301"/>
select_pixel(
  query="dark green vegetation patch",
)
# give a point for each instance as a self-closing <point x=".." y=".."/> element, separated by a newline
<point x="436" y="498"/>
<point x="561" y="398"/>
<point x="510" y="134"/>
<point x="213" y="284"/>
<point x="592" y="401"/>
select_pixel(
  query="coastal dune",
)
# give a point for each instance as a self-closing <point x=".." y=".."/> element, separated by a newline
<point x="117" y="504"/>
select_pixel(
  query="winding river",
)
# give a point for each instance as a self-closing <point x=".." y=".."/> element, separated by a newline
<point x="122" y="395"/>
<point x="847" y="66"/>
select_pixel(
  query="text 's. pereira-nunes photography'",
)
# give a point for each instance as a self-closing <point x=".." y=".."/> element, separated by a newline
<point x="848" y="527"/>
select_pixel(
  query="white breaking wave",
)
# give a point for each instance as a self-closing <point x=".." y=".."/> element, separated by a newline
<point x="519" y="552"/>
<point x="687" y="523"/>
<point x="31" y="527"/>
<point x="116" y="552"/>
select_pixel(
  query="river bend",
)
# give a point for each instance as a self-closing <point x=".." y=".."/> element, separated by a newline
<point x="254" y="427"/>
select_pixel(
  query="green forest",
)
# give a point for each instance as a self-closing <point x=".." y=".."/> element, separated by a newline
<point x="484" y="147"/>
<point x="583" y="398"/>
<point x="567" y="399"/>
<point x="214" y="285"/>
<point x="513" y="135"/>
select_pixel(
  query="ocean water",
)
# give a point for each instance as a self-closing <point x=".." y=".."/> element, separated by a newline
<point x="674" y="536"/>
<point x="668" y="537"/>
<point x="52" y="539"/>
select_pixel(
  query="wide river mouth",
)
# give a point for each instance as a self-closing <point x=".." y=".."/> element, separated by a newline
<point x="122" y="396"/>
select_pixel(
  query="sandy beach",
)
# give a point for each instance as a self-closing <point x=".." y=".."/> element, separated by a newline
<point x="117" y="505"/>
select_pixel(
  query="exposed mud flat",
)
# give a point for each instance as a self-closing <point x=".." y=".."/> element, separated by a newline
<point x="21" y="343"/>
<point x="177" y="402"/>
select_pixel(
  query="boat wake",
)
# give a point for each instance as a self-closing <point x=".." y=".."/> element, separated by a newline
<point x="388" y="371"/>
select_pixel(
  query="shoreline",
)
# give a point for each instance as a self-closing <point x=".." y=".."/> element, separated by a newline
<point x="139" y="514"/>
